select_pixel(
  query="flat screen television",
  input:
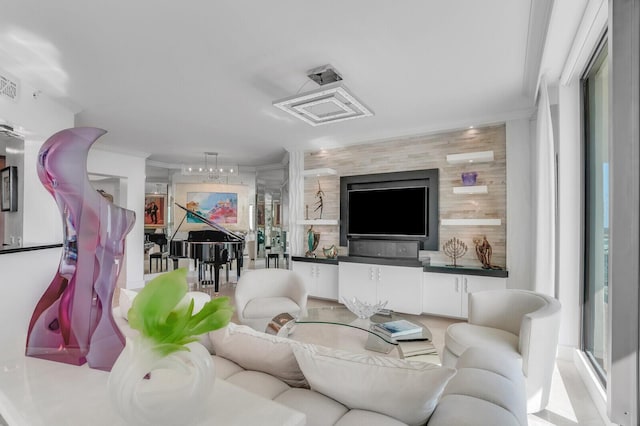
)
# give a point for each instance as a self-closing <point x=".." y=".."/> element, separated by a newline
<point x="388" y="212"/>
<point x="400" y="206"/>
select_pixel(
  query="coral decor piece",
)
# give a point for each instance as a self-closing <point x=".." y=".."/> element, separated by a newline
<point x="164" y="376"/>
<point x="73" y="322"/>
<point x="455" y="249"/>
<point x="484" y="252"/>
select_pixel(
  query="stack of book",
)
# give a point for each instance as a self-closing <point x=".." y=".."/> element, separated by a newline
<point x="417" y="347"/>
<point x="397" y="328"/>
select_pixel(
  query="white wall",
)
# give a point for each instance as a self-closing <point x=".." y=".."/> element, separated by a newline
<point x="133" y="169"/>
<point x="37" y="119"/>
<point x="519" y="206"/>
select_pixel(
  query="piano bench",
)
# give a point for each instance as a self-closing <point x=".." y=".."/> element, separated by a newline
<point x="275" y="257"/>
<point x="159" y="256"/>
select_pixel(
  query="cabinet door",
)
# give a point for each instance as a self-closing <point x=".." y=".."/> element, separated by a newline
<point x="471" y="283"/>
<point x="401" y="286"/>
<point x="327" y="281"/>
<point x="357" y="280"/>
<point x="306" y="270"/>
<point x="441" y="294"/>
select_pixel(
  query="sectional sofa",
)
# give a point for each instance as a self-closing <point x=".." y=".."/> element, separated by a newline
<point x="335" y="387"/>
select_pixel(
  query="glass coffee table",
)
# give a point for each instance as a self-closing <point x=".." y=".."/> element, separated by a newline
<point x="284" y="325"/>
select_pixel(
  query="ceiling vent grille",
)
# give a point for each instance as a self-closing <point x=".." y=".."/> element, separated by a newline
<point x="9" y="86"/>
<point x="329" y="104"/>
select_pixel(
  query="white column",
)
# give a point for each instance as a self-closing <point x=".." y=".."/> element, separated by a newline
<point x="296" y="202"/>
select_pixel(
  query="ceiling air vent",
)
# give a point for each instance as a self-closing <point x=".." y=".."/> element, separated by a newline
<point x="9" y="86"/>
<point x="331" y="103"/>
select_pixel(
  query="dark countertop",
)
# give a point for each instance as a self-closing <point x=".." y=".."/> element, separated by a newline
<point x="315" y="260"/>
<point x="27" y="247"/>
<point x="466" y="270"/>
<point x="442" y="269"/>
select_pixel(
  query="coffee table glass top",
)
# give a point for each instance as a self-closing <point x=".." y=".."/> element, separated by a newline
<point x="339" y="315"/>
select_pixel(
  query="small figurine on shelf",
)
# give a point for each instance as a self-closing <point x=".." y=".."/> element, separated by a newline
<point x="455" y="249"/>
<point x="320" y="202"/>
<point x="331" y="252"/>
<point x="313" y="238"/>
<point x="484" y="252"/>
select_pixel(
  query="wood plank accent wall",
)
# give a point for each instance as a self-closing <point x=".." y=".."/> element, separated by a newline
<point x="415" y="153"/>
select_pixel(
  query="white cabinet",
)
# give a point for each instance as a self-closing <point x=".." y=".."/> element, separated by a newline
<point x="401" y="286"/>
<point x="320" y="279"/>
<point x="447" y="294"/>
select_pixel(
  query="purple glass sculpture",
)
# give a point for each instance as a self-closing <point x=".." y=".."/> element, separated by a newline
<point x="73" y="322"/>
<point x="469" y="178"/>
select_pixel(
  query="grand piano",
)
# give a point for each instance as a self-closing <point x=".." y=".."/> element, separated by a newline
<point x="211" y="249"/>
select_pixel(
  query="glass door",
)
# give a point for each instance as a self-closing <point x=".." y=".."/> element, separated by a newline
<point x="596" y="214"/>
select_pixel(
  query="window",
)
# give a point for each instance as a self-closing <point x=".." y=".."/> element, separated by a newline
<point x="596" y="212"/>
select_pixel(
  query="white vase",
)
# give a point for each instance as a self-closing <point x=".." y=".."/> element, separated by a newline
<point x="147" y="388"/>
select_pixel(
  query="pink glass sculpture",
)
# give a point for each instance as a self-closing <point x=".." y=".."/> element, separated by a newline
<point x="73" y="322"/>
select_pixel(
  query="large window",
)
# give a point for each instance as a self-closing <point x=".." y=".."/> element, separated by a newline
<point x="596" y="229"/>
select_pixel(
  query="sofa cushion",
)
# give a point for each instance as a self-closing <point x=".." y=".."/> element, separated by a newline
<point x="257" y="351"/>
<point x="267" y="307"/>
<point x="260" y="383"/>
<point x="319" y="409"/>
<point x="225" y="368"/>
<point x="460" y="336"/>
<point x="462" y="410"/>
<point x="405" y="390"/>
<point x="489" y="385"/>
<point x="369" y="418"/>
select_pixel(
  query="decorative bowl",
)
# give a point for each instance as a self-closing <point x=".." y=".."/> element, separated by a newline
<point x="363" y="310"/>
<point x="469" y="178"/>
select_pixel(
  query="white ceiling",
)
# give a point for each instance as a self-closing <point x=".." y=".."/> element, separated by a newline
<point x="176" y="79"/>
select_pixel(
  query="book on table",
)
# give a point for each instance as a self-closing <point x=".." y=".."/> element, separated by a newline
<point x="397" y="328"/>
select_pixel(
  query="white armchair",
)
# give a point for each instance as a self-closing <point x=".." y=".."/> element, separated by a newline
<point x="264" y="293"/>
<point x="522" y="322"/>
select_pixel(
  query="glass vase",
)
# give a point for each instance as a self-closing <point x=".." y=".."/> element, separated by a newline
<point x="147" y="388"/>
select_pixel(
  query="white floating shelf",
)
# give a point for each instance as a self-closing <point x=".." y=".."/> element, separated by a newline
<point x="470" y="157"/>
<point x="470" y="222"/>
<point x="319" y="172"/>
<point x="475" y="189"/>
<point x="318" y="222"/>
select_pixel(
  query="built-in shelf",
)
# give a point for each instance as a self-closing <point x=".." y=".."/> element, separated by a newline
<point x="470" y="222"/>
<point x="319" y="172"/>
<point x="318" y="222"/>
<point x="475" y="189"/>
<point x="470" y="157"/>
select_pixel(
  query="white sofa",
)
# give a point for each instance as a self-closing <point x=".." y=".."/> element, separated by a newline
<point x="333" y="387"/>
<point x="522" y="324"/>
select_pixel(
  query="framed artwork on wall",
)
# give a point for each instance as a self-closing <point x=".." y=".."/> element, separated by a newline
<point x="155" y="211"/>
<point x="218" y="207"/>
<point x="9" y="189"/>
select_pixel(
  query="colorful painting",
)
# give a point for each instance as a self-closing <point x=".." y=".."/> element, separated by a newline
<point x="155" y="207"/>
<point x="218" y="207"/>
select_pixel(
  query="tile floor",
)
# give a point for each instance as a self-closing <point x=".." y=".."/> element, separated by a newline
<point x="570" y="403"/>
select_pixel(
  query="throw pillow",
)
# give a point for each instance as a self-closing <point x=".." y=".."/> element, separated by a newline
<point x="253" y="350"/>
<point x="405" y="390"/>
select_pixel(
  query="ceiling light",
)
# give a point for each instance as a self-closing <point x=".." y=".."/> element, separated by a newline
<point x="210" y="168"/>
<point x="329" y="104"/>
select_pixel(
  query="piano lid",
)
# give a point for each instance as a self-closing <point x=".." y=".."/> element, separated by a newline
<point x="206" y="221"/>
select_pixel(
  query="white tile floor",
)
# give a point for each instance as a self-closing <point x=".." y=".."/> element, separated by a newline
<point x="570" y="404"/>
